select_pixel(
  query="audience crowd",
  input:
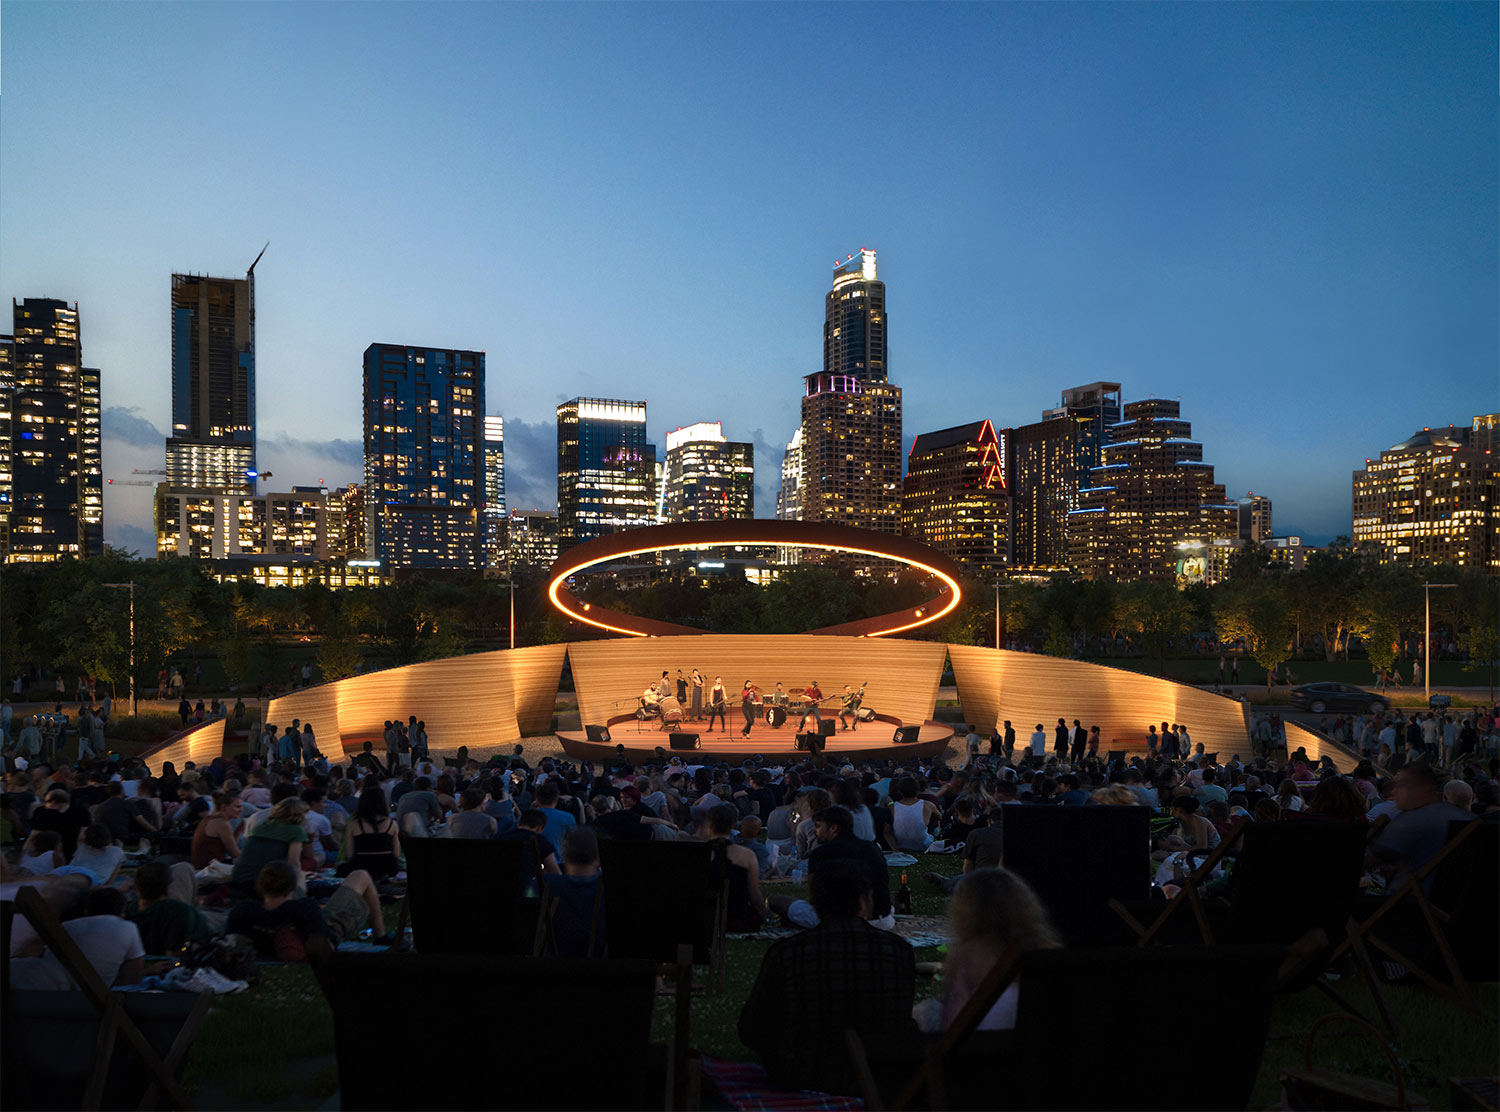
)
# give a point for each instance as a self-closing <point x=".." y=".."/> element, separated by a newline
<point x="294" y="854"/>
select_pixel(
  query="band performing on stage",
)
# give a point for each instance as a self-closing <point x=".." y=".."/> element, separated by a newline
<point x="672" y="704"/>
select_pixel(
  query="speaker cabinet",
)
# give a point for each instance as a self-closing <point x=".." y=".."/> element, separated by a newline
<point x="826" y="726"/>
<point x="684" y="741"/>
<point x="907" y="733"/>
<point x="597" y="733"/>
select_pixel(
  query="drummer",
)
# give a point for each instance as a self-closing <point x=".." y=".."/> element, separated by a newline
<point x="775" y="704"/>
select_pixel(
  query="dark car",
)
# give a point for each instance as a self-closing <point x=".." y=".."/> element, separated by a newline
<point x="1321" y="697"/>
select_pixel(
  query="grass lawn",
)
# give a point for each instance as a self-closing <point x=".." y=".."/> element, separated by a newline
<point x="272" y="1048"/>
<point x="1205" y="670"/>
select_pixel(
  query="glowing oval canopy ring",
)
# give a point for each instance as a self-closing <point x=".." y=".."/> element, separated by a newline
<point x="720" y="534"/>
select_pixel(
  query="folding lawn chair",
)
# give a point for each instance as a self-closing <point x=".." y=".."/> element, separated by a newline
<point x="1061" y="1003"/>
<point x="522" y="1016"/>
<point x="464" y="896"/>
<point x="659" y="895"/>
<point x="1077" y="859"/>
<point x="1188" y="894"/>
<point x="1396" y="922"/>
<point x="59" y="1047"/>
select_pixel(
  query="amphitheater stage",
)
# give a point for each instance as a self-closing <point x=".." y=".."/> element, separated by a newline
<point x="873" y="740"/>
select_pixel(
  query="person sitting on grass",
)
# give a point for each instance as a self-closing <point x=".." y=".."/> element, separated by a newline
<point x="841" y="974"/>
<point x="992" y="910"/>
<point x="166" y="924"/>
<point x="42" y="853"/>
<point x="834" y="830"/>
<point x="282" y="925"/>
<point x="471" y="822"/>
<point x="109" y="942"/>
<point x="97" y="856"/>
<point x="281" y="836"/>
<point x="576" y="925"/>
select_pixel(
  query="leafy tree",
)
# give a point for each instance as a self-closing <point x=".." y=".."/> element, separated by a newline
<point x="1160" y="614"/>
<point x="1059" y="639"/>
<point x="1255" y="610"/>
<point x="1251" y="561"/>
<point x="338" y="654"/>
<point x="236" y="658"/>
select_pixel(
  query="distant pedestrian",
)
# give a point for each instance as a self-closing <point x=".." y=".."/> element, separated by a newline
<point x="1222" y="663"/>
<point x="1234" y="670"/>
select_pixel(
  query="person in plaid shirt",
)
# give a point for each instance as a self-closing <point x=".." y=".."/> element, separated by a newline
<point x="841" y="974"/>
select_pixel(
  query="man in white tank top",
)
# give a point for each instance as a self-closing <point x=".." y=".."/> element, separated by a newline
<point x="912" y="818"/>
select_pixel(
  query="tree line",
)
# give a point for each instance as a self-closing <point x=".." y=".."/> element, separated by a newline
<point x="62" y="616"/>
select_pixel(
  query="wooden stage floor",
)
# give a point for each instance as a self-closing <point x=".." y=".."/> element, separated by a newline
<point x="871" y="740"/>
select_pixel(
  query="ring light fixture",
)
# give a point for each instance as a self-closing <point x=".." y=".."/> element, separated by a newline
<point x="759" y="534"/>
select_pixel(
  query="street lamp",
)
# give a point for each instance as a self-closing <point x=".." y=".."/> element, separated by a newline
<point x="131" y="588"/>
<point x="1427" y="640"/>
<point x="997" y="613"/>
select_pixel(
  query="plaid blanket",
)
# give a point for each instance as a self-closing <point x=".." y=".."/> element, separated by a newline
<point x="745" y="1085"/>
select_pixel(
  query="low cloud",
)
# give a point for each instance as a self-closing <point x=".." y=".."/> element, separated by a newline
<point x="126" y="425"/>
<point x="130" y="538"/>
<point x="530" y="464"/>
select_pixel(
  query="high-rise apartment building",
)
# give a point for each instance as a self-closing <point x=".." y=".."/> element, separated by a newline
<point x="954" y="497"/>
<point x="606" y="471"/>
<point x="7" y="439"/>
<point x="1152" y="493"/>
<point x="851" y="415"/>
<point x="1255" y="518"/>
<point x="494" y="492"/>
<point x="706" y="476"/>
<point x="1431" y="498"/>
<point x="531" y="537"/>
<point x="789" y="494"/>
<point x="1049" y="462"/>
<point x="53" y="489"/>
<point x="212" y="446"/>
<point x="214" y="525"/>
<point x="346" y="522"/>
<point x="424" y="456"/>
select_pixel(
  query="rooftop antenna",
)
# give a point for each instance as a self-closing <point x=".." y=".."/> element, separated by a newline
<point x="257" y="259"/>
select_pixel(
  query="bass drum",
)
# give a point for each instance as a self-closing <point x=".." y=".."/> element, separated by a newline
<point x="866" y="714"/>
<point x="776" y="717"/>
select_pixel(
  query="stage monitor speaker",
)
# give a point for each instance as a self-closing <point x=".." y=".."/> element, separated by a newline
<point x="811" y="743"/>
<point x="826" y="726"/>
<point x="907" y="733"/>
<point x="684" y="741"/>
<point x="597" y="733"/>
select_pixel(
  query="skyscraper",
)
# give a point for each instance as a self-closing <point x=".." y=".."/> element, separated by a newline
<point x="1152" y="494"/>
<point x="707" y="478"/>
<point x="531" y="538"/>
<point x="1431" y="498"/>
<point x="1255" y="518"/>
<point x="606" y="472"/>
<point x="494" y="492"/>
<point x="212" y="446"/>
<point x="1049" y="461"/>
<point x="851" y="415"/>
<point x="789" y="494"/>
<point x="954" y="496"/>
<point x="424" y="456"/>
<point x="7" y="439"/>
<point x="52" y="437"/>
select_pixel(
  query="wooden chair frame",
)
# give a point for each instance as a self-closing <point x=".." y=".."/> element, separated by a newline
<point x="1433" y="918"/>
<point x="1188" y="893"/>
<point x="115" y="1022"/>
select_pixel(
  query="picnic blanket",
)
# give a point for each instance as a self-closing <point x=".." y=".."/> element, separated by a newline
<point x="746" y="1086"/>
<point x="920" y="930"/>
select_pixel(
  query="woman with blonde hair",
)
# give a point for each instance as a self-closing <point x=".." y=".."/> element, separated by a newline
<point x="1115" y="795"/>
<point x="992" y="910"/>
<point x="281" y="836"/>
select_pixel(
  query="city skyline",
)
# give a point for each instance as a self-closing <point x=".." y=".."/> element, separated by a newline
<point x="1292" y="204"/>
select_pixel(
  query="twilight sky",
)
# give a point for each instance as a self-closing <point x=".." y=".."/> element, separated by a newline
<point x="1284" y="214"/>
